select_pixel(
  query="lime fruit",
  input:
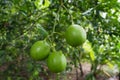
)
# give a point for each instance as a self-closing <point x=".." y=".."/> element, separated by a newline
<point x="56" y="62"/>
<point x="75" y="35"/>
<point x="40" y="50"/>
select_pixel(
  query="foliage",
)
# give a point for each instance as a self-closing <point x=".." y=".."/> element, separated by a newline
<point x="23" y="22"/>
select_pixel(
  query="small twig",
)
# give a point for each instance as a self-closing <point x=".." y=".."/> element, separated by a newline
<point x="119" y="75"/>
<point x="77" y="77"/>
<point x="82" y="73"/>
<point x="80" y="65"/>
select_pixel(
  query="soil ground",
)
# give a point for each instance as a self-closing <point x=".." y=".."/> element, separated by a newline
<point x="72" y="75"/>
<point x="86" y="69"/>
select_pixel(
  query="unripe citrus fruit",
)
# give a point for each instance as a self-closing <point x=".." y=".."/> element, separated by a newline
<point x="40" y="50"/>
<point x="75" y="35"/>
<point x="56" y="62"/>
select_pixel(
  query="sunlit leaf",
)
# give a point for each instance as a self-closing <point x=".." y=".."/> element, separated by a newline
<point x="110" y="65"/>
<point x="92" y="56"/>
<point x="101" y="49"/>
<point x="40" y="5"/>
<point x="87" y="46"/>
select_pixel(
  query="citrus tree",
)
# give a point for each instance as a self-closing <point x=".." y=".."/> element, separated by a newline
<point x="24" y="22"/>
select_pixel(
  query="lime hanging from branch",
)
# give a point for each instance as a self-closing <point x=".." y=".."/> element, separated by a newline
<point x="75" y="35"/>
<point x="40" y="50"/>
<point x="56" y="62"/>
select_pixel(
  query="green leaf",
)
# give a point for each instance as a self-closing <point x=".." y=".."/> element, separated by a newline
<point x="101" y="49"/>
<point x="88" y="49"/>
<point x="92" y="56"/>
<point x="109" y="64"/>
<point x="47" y="3"/>
<point x="42" y="31"/>
<point x="118" y="45"/>
<point x="39" y="4"/>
